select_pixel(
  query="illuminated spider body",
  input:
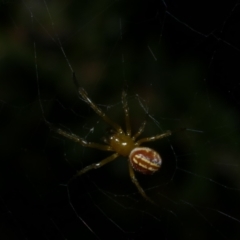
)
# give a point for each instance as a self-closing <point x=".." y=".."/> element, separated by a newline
<point x="122" y="143"/>
<point x="145" y="160"/>
<point x="142" y="159"/>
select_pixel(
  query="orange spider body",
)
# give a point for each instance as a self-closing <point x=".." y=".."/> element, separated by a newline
<point x="122" y="143"/>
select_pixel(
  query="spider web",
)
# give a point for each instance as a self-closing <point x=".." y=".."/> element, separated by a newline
<point x="180" y="61"/>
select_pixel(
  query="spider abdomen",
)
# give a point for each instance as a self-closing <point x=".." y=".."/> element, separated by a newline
<point x="145" y="160"/>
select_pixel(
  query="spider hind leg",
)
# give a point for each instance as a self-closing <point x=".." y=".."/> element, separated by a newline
<point x="96" y="165"/>
<point x="136" y="183"/>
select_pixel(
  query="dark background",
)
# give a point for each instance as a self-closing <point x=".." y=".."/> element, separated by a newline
<point x="180" y="61"/>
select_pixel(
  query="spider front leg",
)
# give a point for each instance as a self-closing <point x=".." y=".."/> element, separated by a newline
<point x="126" y="111"/>
<point x="154" y="138"/>
<point x="81" y="141"/>
<point x="94" y="107"/>
<point x="136" y="183"/>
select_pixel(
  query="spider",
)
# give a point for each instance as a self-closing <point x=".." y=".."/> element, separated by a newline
<point x="121" y="142"/>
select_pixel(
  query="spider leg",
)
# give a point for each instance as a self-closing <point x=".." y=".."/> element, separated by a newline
<point x="95" y="108"/>
<point x="81" y="141"/>
<point x="154" y="138"/>
<point x="126" y="111"/>
<point x="136" y="183"/>
<point x="97" y="165"/>
<point x="140" y="130"/>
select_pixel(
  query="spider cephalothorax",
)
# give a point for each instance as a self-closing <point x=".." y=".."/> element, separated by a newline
<point x="121" y="143"/>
